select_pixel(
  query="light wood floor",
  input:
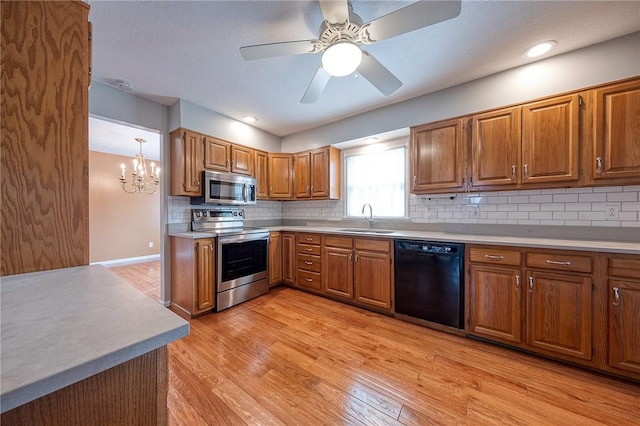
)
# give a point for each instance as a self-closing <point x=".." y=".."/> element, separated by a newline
<point x="296" y="359"/>
<point x="145" y="276"/>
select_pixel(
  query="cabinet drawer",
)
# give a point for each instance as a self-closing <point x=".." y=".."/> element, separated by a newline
<point x="310" y="280"/>
<point x="623" y="267"/>
<point x="309" y="239"/>
<point x="560" y="262"/>
<point x="373" y="245"/>
<point x="308" y="262"/>
<point x="494" y="256"/>
<point x="307" y="249"/>
<point x="342" y="242"/>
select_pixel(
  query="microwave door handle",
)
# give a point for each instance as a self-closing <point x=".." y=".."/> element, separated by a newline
<point x="244" y="192"/>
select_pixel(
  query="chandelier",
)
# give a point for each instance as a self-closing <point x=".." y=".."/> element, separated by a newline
<point x="142" y="182"/>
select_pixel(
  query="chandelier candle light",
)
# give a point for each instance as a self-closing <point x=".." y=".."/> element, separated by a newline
<point x="142" y="182"/>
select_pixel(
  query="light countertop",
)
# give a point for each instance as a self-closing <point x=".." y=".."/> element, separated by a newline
<point x="535" y="242"/>
<point x="62" y="326"/>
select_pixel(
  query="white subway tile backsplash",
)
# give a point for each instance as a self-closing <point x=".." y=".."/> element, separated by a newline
<point x="552" y="207"/>
<point x="592" y="197"/>
<point x="622" y="196"/>
<point x="565" y="215"/>
<point x="579" y="207"/>
<point x="565" y="198"/>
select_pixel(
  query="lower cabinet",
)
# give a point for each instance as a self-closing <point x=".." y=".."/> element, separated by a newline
<point x="358" y="269"/>
<point x="623" y="301"/>
<point x="275" y="259"/>
<point x="288" y="258"/>
<point x="308" y="262"/>
<point x="192" y="275"/>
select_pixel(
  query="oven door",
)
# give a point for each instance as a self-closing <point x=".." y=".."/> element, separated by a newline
<point x="242" y="259"/>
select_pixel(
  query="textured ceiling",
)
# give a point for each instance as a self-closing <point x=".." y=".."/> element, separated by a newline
<point x="189" y="50"/>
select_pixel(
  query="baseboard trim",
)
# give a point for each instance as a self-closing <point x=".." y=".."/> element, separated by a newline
<point x="137" y="259"/>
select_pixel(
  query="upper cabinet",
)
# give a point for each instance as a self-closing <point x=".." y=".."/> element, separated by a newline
<point x="186" y="163"/>
<point x="550" y="138"/>
<point x="223" y="156"/>
<point x="280" y="176"/>
<point x="261" y="171"/>
<point x="437" y="157"/>
<point x="317" y="174"/>
<point x="616" y="142"/>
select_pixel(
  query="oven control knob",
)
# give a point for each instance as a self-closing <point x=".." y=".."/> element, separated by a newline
<point x="235" y="213"/>
<point x="240" y="213"/>
<point x="204" y="214"/>
<point x="197" y="214"/>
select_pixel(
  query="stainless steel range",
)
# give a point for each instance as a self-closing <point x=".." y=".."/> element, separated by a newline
<point x="241" y="255"/>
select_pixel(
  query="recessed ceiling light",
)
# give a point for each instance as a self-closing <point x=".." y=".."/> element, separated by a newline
<point x="249" y="119"/>
<point x="371" y="140"/>
<point x="539" y="49"/>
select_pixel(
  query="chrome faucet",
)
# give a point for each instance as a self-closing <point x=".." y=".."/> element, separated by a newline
<point x="370" y="218"/>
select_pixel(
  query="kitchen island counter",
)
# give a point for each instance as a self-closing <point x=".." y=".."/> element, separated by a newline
<point x="63" y="326"/>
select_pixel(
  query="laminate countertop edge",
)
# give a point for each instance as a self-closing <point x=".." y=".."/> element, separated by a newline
<point x="62" y="326"/>
<point x="533" y="242"/>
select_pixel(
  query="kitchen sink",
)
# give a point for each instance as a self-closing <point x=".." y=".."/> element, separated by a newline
<point x="368" y="231"/>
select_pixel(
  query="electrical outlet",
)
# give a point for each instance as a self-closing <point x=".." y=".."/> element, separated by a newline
<point x="432" y="213"/>
<point x="611" y="212"/>
<point x="150" y="244"/>
<point x="475" y="211"/>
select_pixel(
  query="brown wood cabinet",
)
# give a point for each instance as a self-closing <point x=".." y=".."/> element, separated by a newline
<point x="275" y="258"/>
<point x="280" y="176"/>
<point x="616" y="134"/>
<point x="550" y="140"/>
<point x="438" y="157"/>
<point x="308" y="260"/>
<point x="373" y="272"/>
<point x="337" y="266"/>
<point x="317" y="174"/>
<point x="192" y="275"/>
<point x="261" y="169"/>
<point x="289" y="258"/>
<point x="623" y="301"/>
<point x="45" y="154"/>
<point x="496" y="149"/>
<point x="223" y="156"/>
<point x="186" y="163"/>
<point x="494" y="294"/>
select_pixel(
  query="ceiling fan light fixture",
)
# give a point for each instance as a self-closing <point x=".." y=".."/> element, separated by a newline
<point x="341" y="58"/>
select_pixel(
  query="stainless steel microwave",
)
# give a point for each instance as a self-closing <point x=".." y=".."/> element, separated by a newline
<point x="226" y="188"/>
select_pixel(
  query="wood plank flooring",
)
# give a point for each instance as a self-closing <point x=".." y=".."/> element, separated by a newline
<point x="145" y="276"/>
<point x="290" y="358"/>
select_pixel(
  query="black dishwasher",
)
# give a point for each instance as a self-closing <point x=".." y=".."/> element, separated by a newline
<point x="429" y="281"/>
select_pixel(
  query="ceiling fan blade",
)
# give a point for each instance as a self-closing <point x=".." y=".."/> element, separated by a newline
<point x="378" y="75"/>
<point x="411" y="18"/>
<point x="334" y="11"/>
<point x="316" y="87"/>
<point x="261" y="51"/>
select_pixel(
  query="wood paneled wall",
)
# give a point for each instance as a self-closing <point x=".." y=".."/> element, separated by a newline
<point x="44" y="157"/>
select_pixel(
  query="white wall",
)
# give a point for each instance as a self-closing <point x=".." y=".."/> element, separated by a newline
<point x="612" y="60"/>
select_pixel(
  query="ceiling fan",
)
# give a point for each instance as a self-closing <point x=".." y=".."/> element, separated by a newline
<point x="343" y="32"/>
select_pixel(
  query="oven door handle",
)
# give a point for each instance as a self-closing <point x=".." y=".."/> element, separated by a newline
<point x="243" y="238"/>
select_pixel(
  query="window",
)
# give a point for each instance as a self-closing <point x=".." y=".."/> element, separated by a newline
<point x="378" y="178"/>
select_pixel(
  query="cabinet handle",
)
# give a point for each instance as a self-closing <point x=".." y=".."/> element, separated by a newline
<point x="356" y="257"/>
<point x="616" y="296"/>
<point x="350" y="257"/>
<point x="306" y="262"/>
<point x="464" y="184"/>
<point x="555" y="262"/>
<point x="309" y="280"/>
<point x="414" y="180"/>
<point x="309" y="249"/>
<point x="311" y="188"/>
<point x="492" y="256"/>
<point x="308" y="238"/>
<point x="518" y="282"/>
<point x="227" y="162"/>
<point x="530" y="284"/>
<point x="526" y="171"/>
<point x="513" y="171"/>
<point x="599" y="165"/>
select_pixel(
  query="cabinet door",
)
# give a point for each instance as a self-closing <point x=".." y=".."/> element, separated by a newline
<point x="616" y="142"/>
<point x="241" y="160"/>
<point x="495" y="302"/>
<point x="495" y="144"/>
<point x="372" y="278"/>
<point x="216" y="155"/>
<point x="262" y="175"/>
<point x="289" y="258"/>
<point x="437" y="157"/>
<point x="559" y="313"/>
<point x="301" y="175"/>
<point x="624" y="325"/>
<point x="550" y="140"/>
<point x="319" y="173"/>
<point x="205" y="275"/>
<point x="337" y="268"/>
<point x="186" y="163"/>
<point x="275" y="258"/>
<point x="280" y="181"/>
